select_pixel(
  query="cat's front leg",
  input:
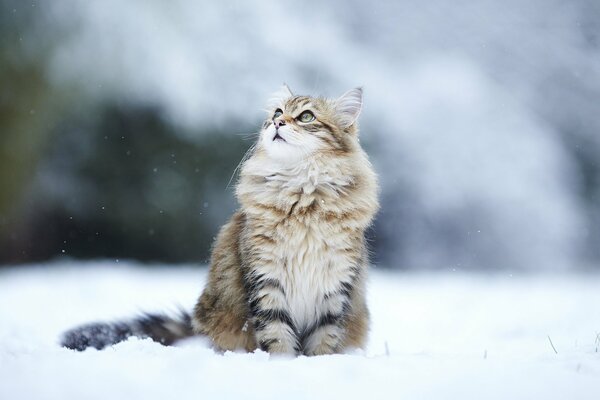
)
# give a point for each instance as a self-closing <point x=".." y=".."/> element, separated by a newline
<point x="328" y="333"/>
<point x="273" y="326"/>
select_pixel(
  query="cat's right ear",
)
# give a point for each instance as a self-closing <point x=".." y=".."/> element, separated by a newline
<point x="279" y="97"/>
<point x="349" y="105"/>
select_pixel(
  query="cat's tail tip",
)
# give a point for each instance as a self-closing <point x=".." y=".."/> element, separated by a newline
<point x="161" y="328"/>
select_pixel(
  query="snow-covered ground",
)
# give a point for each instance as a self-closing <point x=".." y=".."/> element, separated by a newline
<point x="434" y="336"/>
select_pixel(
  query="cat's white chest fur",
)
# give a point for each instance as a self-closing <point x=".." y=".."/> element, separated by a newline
<point x="308" y="252"/>
<point x="310" y="268"/>
<point x="308" y="256"/>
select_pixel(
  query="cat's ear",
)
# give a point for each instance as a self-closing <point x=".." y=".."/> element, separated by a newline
<point x="348" y="106"/>
<point x="280" y="96"/>
<point x="285" y="88"/>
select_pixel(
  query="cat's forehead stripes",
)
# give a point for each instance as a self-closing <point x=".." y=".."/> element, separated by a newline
<point x="296" y="103"/>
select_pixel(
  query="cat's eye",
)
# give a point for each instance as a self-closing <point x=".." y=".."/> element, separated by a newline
<point x="306" y="116"/>
<point x="278" y="113"/>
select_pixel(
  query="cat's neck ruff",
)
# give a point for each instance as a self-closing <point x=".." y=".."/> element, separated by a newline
<point x="305" y="175"/>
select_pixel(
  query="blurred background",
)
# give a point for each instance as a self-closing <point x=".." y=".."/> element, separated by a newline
<point x="121" y="123"/>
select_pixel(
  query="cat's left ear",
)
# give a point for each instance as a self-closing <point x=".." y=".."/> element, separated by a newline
<point x="280" y="96"/>
<point x="348" y="106"/>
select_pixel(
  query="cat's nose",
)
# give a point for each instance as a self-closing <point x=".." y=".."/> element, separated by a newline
<point x="278" y="123"/>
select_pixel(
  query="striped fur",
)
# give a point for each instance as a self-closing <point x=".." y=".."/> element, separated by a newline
<point x="292" y="262"/>
<point x="161" y="328"/>
<point x="288" y="271"/>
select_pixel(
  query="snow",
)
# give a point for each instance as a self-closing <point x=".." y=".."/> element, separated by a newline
<point x="441" y="335"/>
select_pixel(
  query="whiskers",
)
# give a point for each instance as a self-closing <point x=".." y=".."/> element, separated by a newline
<point x="248" y="135"/>
<point x="247" y="155"/>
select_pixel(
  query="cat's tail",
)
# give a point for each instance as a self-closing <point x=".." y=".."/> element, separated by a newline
<point x="161" y="328"/>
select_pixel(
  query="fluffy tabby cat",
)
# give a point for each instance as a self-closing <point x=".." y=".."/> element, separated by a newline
<point x="288" y="271"/>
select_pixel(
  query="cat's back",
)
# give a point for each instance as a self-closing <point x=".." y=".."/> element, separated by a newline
<point x="221" y="312"/>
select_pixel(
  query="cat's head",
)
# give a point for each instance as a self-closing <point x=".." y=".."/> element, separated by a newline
<point x="298" y="127"/>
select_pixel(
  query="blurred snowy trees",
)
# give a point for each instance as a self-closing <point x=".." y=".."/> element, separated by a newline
<point x="481" y="118"/>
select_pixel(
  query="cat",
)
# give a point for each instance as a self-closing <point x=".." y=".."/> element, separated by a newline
<point x="288" y="271"/>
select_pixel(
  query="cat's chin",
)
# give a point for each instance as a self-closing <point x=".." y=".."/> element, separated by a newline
<point x="284" y="154"/>
<point x="287" y="153"/>
<point x="281" y="151"/>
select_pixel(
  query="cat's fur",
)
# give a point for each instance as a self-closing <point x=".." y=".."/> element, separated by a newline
<point x="288" y="271"/>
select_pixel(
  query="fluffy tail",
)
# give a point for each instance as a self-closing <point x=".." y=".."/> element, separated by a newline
<point x="158" y="327"/>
